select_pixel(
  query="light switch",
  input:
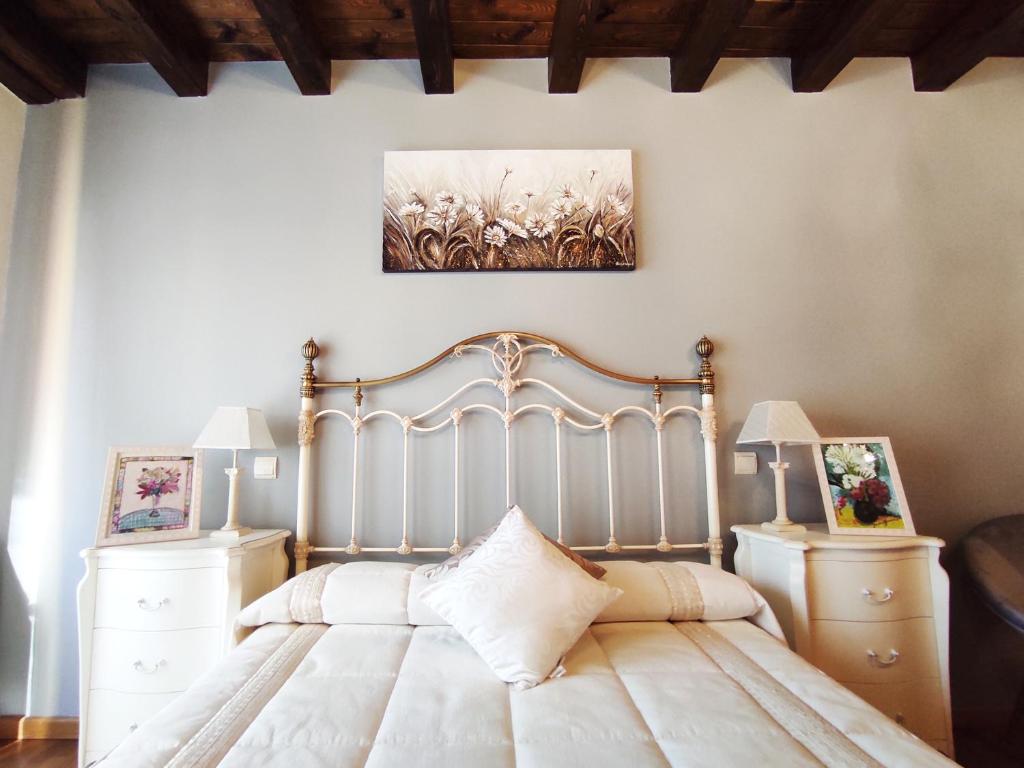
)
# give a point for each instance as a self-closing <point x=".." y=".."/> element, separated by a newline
<point x="265" y="468"/>
<point x="746" y="463"/>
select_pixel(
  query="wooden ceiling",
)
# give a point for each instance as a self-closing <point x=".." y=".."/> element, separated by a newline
<point x="47" y="45"/>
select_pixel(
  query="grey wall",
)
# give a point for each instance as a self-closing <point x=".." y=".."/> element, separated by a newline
<point x="857" y="250"/>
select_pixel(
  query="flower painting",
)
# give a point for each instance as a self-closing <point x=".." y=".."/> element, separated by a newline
<point x="151" y="494"/>
<point x="475" y="211"/>
<point x="861" y="487"/>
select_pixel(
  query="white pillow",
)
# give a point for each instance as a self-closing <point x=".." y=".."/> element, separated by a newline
<point x="519" y="602"/>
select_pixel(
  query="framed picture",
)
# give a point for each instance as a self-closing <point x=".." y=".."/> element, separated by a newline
<point x="861" y="488"/>
<point x="508" y="210"/>
<point x="150" y="494"/>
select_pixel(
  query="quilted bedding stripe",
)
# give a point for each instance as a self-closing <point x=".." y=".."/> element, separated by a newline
<point x="635" y="693"/>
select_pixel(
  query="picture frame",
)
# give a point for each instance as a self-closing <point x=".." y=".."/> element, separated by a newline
<point x="861" y="488"/>
<point x="150" y="493"/>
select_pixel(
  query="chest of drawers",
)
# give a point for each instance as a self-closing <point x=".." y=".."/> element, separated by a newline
<point x="872" y="612"/>
<point x="154" y="617"/>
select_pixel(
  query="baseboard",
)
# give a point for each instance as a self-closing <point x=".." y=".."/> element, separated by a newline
<point x="9" y="727"/>
<point x="48" y="728"/>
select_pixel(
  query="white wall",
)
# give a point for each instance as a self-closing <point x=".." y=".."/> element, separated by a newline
<point x="857" y="250"/>
<point x="12" y="129"/>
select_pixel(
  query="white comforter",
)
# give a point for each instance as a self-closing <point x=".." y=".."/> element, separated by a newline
<point x="637" y="693"/>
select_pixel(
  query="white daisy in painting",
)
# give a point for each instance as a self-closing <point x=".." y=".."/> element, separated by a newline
<point x="561" y="208"/>
<point x="449" y="199"/>
<point x="411" y="209"/>
<point x="475" y="213"/>
<point x="442" y="217"/>
<point x="540" y="226"/>
<point x="515" y="208"/>
<point x="568" y="193"/>
<point x="527" y="192"/>
<point x="495" y="235"/>
<point x="513" y="228"/>
<point x="851" y="460"/>
<point x="617" y="205"/>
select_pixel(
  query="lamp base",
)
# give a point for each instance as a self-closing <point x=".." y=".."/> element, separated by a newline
<point x="785" y="527"/>
<point x="230" y="534"/>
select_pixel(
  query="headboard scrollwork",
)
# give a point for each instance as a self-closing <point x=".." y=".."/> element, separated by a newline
<point x="508" y="352"/>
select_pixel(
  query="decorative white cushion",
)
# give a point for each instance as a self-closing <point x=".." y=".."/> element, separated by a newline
<point x="519" y="602"/>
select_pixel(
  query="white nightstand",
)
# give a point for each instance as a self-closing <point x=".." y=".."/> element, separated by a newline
<point x="153" y="617"/>
<point x="872" y="612"/>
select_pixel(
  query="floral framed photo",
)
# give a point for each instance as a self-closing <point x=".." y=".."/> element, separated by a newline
<point x="861" y="488"/>
<point x="150" y="494"/>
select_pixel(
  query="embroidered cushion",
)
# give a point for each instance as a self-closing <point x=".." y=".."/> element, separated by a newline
<point x="453" y="562"/>
<point x="519" y="602"/>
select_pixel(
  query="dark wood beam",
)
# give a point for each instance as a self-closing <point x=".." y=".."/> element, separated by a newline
<point x="843" y="32"/>
<point x="702" y="43"/>
<point x="434" y="43"/>
<point x="162" y="32"/>
<point x="979" y="32"/>
<point x="41" y="57"/>
<point x="21" y="85"/>
<point x="294" y="33"/>
<point x="569" y="37"/>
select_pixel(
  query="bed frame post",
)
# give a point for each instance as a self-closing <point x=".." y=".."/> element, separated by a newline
<point x="307" y="418"/>
<point x="709" y="431"/>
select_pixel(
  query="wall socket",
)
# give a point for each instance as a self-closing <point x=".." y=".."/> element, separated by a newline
<point x="746" y="462"/>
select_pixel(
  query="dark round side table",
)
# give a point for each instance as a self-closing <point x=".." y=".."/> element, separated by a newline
<point x="994" y="559"/>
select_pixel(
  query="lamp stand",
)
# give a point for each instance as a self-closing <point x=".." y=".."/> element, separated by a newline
<point x="781" y="523"/>
<point x="232" y="530"/>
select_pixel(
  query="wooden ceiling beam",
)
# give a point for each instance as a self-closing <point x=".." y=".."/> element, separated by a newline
<point x="703" y="42"/>
<point x="40" y="56"/>
<point x="161" y="31"/>
<point x="842" y="34"/>
<point x="434" y="44"/>
<point x="981" y="31"/>
<point x="21" y="85"/>
<point x="569" y="38"/>
<point x="294" y="33"/>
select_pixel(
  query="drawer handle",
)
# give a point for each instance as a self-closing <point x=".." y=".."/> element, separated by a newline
<point x="139" y="666"/>
<point x="145" y="605"/>
<point x="894" y="656"/>
<point x="870" y="597"/>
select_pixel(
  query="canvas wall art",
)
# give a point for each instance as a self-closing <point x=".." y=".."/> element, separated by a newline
<point x="150" y="494"/>
<point x="495" y="210"/>
<point x="861" y="488"/>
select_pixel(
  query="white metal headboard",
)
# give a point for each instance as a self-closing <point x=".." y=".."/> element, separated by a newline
<point x="508" y="352"/>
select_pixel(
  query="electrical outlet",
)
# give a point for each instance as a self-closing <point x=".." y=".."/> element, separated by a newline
<point x="746" y="463"/>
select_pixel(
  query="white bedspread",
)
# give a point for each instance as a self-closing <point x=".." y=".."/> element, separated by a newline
<point x="635" y="694"/>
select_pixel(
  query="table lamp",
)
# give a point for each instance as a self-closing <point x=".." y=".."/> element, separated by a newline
<point x="235" y="429"/>
<point x="778" y="422"/>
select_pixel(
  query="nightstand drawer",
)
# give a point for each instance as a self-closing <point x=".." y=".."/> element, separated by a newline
<point x="159" y="600"/>
<point x="881" y="590"/>
<point x="114" y="715"/>
<point x="844" y="649"/>
<point x="916" y="705"/>
<point x="152" y="662"/>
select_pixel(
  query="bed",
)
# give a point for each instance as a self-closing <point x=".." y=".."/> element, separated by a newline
<point x="347" y="664"/>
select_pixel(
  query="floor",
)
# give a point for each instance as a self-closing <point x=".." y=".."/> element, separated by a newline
<point x="39" y="753"/>
<point x="972" y="752"/>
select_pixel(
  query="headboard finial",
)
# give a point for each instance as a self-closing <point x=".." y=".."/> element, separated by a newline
<point x="310" y="351"/>
<point x="707" y="376"/>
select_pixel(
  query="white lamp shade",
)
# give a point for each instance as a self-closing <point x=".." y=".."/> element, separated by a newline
<point x="777" y="421"/>
<point x="235" y="428"/>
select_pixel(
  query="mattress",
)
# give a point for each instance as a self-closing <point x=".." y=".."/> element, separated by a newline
<point x="393" y="693"/>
